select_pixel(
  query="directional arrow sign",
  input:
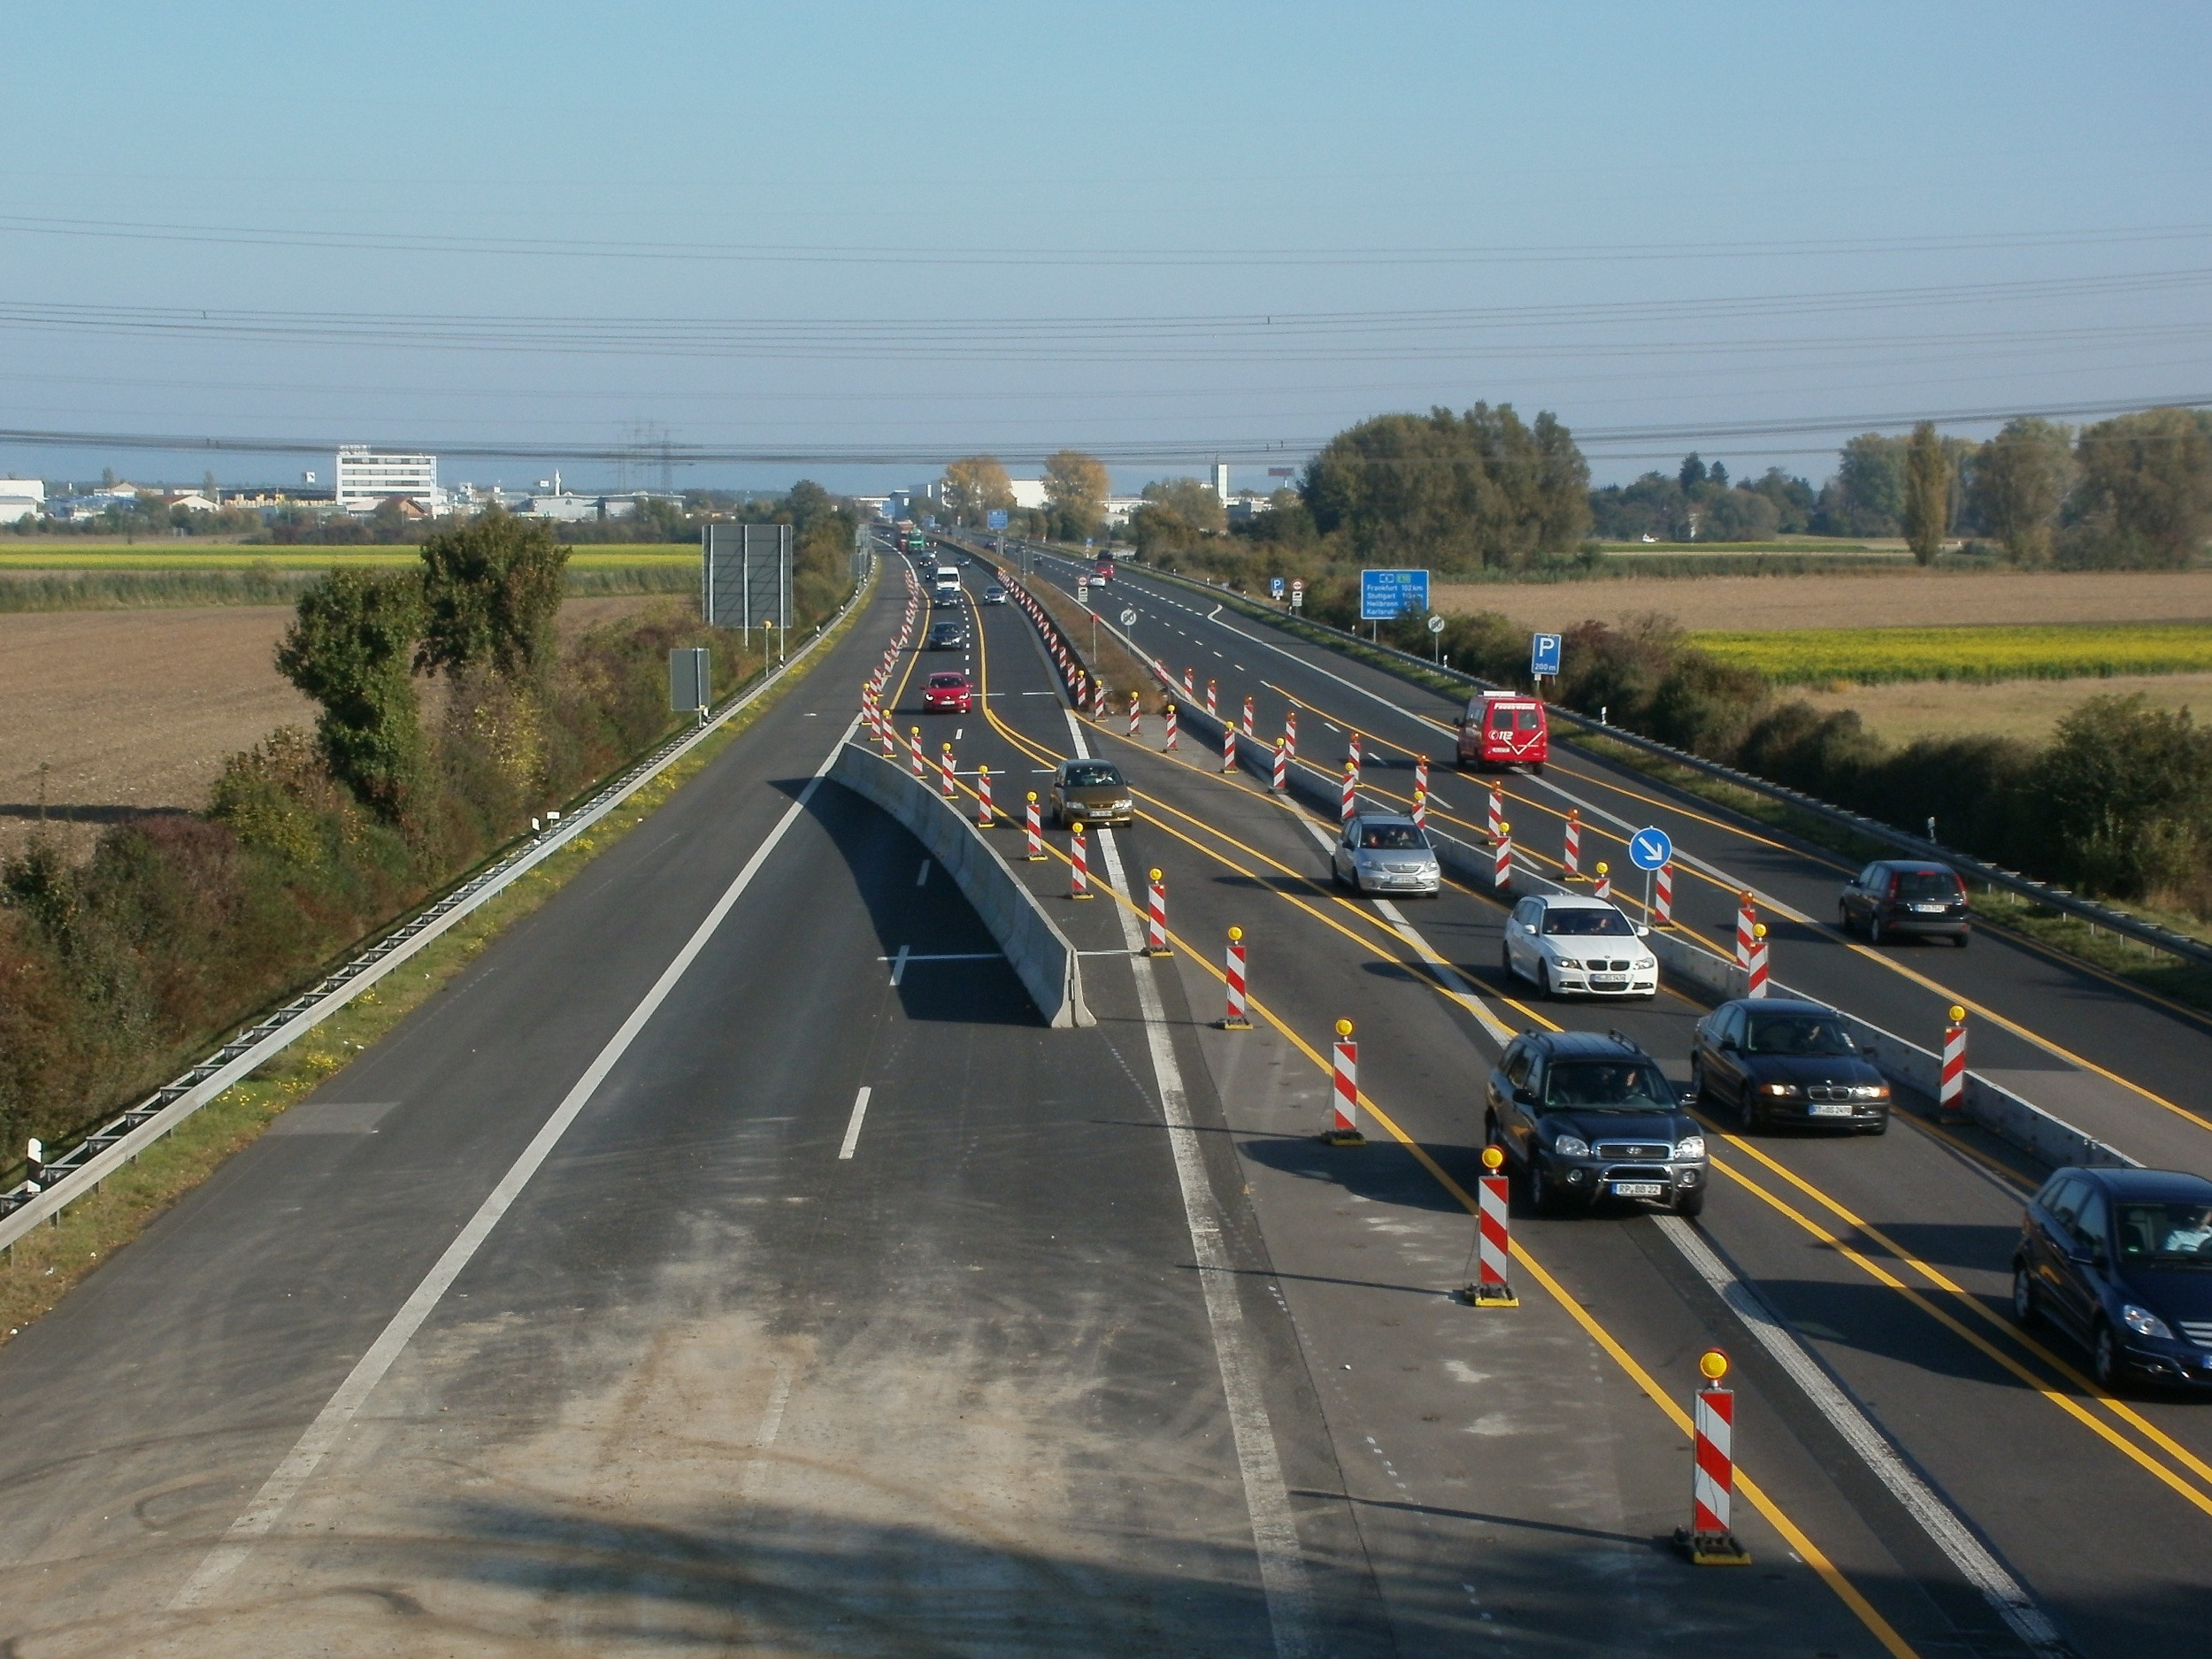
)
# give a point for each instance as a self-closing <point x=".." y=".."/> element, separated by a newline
<point x="1648" y="849"/>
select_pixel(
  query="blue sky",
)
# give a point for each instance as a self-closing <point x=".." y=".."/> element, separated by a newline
<point x="1154" y="230"/>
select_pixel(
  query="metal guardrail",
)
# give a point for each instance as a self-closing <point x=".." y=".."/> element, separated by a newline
<point x="2062" y="899"/>
<point x="89" y="1161"/>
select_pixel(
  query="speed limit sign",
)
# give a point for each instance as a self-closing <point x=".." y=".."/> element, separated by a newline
<point x="1128" y="618"/>
<point x="1436" y="625"/>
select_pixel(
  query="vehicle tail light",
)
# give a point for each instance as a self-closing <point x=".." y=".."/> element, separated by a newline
<point x="1896" y="881"/>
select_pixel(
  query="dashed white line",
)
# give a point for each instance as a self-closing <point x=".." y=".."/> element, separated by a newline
<point x="860" y="1111"/>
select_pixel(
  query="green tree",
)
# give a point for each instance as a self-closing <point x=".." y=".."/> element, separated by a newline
<point x="2145" y="490"/>
<point x="803" y="503"/>
<point x="1075" y="488"/>
<point x="1867" y="494"/>
<point x="1927" y="515"/>
<point x="2128" y="789"/>
<point x="1793" y="500"/>
<point x="2021" y="478"/>
<point x="491" y="587"/>
<point x="349" y="649"/>
<point x="1192" y="500"/>
<point x="975" y="485"/>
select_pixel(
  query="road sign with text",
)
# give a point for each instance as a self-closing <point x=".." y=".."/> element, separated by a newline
<point x="1385" y="595"/>
<point x="1543" y="655"/>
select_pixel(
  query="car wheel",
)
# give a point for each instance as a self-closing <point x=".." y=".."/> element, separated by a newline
<point x="1543" y="1197"/>
<point x="1747" y="1112"/>
<point x="2104" y="1356"/>
<point x="1843" y="920"/>
<point x="1691" y="1202"/>
<point x="1874" y="929"/>
<point x="1959" y="941"/>
<point x="1537" y="769"/>
<point x="2025" y="1311"/>
<point x="1543" y="980"/>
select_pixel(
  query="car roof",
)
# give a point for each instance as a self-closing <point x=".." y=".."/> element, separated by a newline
<point x="1384" y="818"/>
<point x="949" y="676"/>
<point x="1087" y="760"/>
<point x="1574" y="901"/>
<point x="1612" y="1045"/>
<point x="1919" y="865"/>
<point x="2151" y="1184"/>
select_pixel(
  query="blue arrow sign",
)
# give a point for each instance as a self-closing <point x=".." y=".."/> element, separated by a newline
<point x="1543" y="655"/>
<point x="1648" y="849"/>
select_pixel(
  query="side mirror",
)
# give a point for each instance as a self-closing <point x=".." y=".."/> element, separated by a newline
<point x="1642" y="932"/>
<point x="1728" y="1046"/>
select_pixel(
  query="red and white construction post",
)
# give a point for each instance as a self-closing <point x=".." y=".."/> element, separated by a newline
<point x="1290" y="732"/>
<point x="1351" y="802"/>
<point x="944" y="760"/>
<point x="1351" y="758"/>
<point x="1662" y="896"/>
<point x="1604" y="887"/>
<point x="1213" y="700"/>
<point x="1951" y="1091"/>
<point x="1420" y="792"/>
<point x="1033" y="823"/>
<point x="1248" y="729"/>
<point x="1493" y="1237"/>
<point x="1756" y="975"/>
<point x="1746" y="920"/>
<point x="1228" y="747"/>
<point x="890" y="739"/>
<point x="1235" y="1019"/>
<point x="1079" y="865"/>
<point x="1136" y="715"/>
<point x="1501" y="858"/>
<point x="1156" y="917"/>
<point x="1189" y="686"/>
<point x="1282" y="767"/>
<point x="1497" y="810"/>
<point x="983" y="814"/>
<point x="1707" y="1540"/>
<point x="1171" y="724"/>
<point x="1343" y="1130"/>
<point x="914" y="748"/>
<point x="1570" y="862"/>
<point x="1098" y="701"/>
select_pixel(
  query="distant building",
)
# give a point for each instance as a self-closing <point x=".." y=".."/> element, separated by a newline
<point x="19" y="496"/>
<point x="567" y="507"/>
<point x="191" y="501"/>
<point x="1118" y="509"/>
<point x="1221" y="481"/>
<point x="367" y="478"/>
<point x="1248" y="504"/>
<point x="1029" y="493"/>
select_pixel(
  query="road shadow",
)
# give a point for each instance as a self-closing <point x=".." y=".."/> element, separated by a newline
<point x="1381" y="1172"/>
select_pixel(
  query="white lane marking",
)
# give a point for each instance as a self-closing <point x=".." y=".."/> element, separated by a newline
<point x="898" y="963"/>
<point x="860" y="1111"/>
<point x="1461" y="989"/>
<point x="771" y="1423"/>
<point x="330" y="1423"/>
<point x="922" y="875"/>
<point x="1283" y="1579"/>
<point x="1981" y="1569"/>
<point x="1075" y="734"/>
<point x="957" y="733"/>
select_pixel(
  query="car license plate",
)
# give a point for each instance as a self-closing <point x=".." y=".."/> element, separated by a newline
<point x="1931" y="910"/>
<point x="1613" y="980"/>
<point x="1830" y="1108"/>
<point x="1638" y="1189"/>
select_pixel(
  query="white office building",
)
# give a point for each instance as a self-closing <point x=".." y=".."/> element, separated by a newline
<point x="367" y="478"/>
<point x="19" y="496"/>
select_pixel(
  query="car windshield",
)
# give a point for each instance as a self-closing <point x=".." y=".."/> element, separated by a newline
<point x="1587" y="922"/>
<point x="2172" y="1230"/>
<point x="1926" y="884"/>
<point x="1797" y="1033"/>
<point x="946" y="682"/>
<point x="1092" y="775"/>
<point x="1613" y="1086"/>
<point x="1398" y="838"/>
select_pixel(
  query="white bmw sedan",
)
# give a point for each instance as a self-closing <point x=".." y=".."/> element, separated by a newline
<point x="1569" y="943"/>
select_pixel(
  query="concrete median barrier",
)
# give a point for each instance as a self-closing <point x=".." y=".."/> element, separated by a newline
<point x="1041" y="954"/>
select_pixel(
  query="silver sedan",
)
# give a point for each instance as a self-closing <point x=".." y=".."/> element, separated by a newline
<point x="1384" y="853"/>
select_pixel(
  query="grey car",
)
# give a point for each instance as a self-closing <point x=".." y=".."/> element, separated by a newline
<point x="1384" y="853"/>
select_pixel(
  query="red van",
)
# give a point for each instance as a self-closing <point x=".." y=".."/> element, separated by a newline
<point x="1502" y="728"/>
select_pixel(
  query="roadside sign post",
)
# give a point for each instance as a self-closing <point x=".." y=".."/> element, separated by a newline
<point x="1436" y="639"/>
<point x="1297" y="593"/>
<point x="1650" y="851"/>
<point x="1543" y="656"/>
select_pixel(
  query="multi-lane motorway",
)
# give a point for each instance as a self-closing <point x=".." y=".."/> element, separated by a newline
<point x="731" y="1258"/>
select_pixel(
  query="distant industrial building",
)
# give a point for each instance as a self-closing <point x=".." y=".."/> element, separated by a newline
<point x="367" y="478"/>
<point x="19" y="496"/>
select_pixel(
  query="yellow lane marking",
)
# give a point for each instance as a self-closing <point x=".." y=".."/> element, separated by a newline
<point x="1974" y="1338"/>
<point x="2118" y="1407"/>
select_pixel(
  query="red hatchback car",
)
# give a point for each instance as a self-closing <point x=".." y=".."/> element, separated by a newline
<point x="1501" y="729"/>
<point x="948" y="693"/>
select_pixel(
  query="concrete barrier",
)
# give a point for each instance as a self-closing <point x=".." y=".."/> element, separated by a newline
<point x="1041" y="957"/>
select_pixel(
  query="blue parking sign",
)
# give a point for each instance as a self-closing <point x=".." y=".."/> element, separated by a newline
<point x="1275" y="587"/>
<point x="1543" y="655"/>
<point x="1385" y="595"/>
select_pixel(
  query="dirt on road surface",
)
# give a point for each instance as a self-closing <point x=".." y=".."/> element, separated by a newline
<point x="136" y="710"/>
<point x="1887" y="598"/>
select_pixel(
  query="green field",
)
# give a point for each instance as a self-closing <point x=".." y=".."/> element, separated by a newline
<point x="1812" y="657"/>
<point x="156" y="555"/>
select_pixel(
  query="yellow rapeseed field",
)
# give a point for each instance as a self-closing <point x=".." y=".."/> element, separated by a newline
<point x="1814" y="657"/>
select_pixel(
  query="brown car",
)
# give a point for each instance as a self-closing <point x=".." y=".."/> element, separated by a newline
<point x="1090" y="792"/>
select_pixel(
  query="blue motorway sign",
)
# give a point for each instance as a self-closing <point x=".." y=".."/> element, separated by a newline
<point x="1648" y="849"/>
<point x="1385" y="595"/>
<point x="1543" y="655"/>
<point x="1274" y="587"/>
<point x="994" y="519"/>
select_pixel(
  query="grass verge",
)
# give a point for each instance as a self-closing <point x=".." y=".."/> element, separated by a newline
<point x="42" y="1266"/>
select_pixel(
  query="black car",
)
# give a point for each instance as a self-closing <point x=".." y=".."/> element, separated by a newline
<point x="1905" y="897"/>
<point x="2121" y="1259"/>
<point x="1775" y="1060"/>
<point x="1582" y="1117"/>
<point x="949" y="636"/>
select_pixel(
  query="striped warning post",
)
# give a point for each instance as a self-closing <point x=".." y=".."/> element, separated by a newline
<point x="1213" y="700"/>
<point x="1190" y="689"/>
<point x="1078" y="866"/>
<point x="1662" y="896"/>
<point x="1351" y="757"/>
<point x="1034" y="823"/>
<point x="1420" y="792"/>
<point x="983" y="818"/>
<point x="1951" y="1092"/>
<point x="1493" y="1288"/>
<point x="1496" y="825"/>
<point x="1228" y="747"/>
<point x="1098" y="701"/>
<point x="1604" y="887"/>
<point x="1343" y="1130"/>
<point x="890" y="742"/>
<point x="1136" y="715"/>
<point x="1156" y="917"/>
<point x="1290" y="732"/>
<point x="1707" y="1540"/>
<point x="1249" y="731"/>
<point x="1755" y="974"/>
<point x="1282" y="768"/>
<point x="1747" y="919"/>
<point x="944" y="766"/>
<point x="1502" y="859"/>
<point x="914" y="748"/>
<point x="1570" y="861"/>
<point x="1349" y="804"/>
<point x="1233" y="977"/>
<point x="1171" y="724"/>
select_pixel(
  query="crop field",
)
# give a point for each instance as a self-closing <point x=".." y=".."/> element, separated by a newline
<point x="1906" y="708"/>
<point x="157" y="556"/>
<point x="1814" y="657"/>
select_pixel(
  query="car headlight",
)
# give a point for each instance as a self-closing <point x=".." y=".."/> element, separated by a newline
<point x="1571" y="1146"/>
<point x="1870" y="1091"/>
<point x="1780" y="1091"/>
<point x="1689" y="1148"/>
<point x="2143" y="1322"/>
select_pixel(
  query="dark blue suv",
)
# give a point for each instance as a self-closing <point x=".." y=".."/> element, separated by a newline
<point x="2122" y="1260"/>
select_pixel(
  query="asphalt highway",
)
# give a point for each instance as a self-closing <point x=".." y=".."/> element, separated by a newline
<point x="731" y="1258"/>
